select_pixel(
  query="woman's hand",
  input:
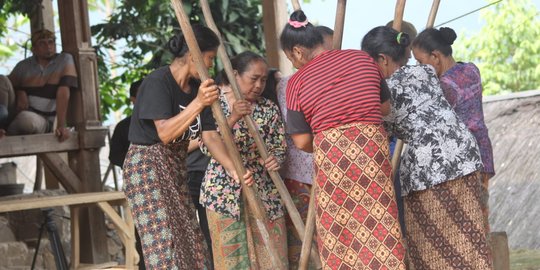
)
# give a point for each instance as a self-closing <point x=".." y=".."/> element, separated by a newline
<point x="248" y="177"/>
<point x="208" y="92"/>
<point x="241" y="108"/>
<point x="271" y="164"/>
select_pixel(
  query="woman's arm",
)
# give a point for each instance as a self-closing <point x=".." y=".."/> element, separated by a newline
<point x="212" y="140"/>
<point x="239" y="109"/>
<point x="303" y="141"/>
<point x="174" y="127"/>
<point x="385" y="108"/>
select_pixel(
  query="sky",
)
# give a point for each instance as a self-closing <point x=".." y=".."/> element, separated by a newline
<point x="362" y="16"/>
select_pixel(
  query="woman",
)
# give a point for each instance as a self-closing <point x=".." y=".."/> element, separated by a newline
<point x="461" y="85"/>
<point x="440" y="168"/>
<point x="334" y="110"/>
<point x="165" y="117"/>
<point x="221" y="195"/>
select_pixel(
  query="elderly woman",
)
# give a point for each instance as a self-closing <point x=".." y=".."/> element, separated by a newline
<point x="232" y="227"/>
<point x="440" y="169"/>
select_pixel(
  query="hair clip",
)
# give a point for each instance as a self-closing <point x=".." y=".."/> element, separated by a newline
<point x="398" y="38"/>
<point x="297" y="24"/>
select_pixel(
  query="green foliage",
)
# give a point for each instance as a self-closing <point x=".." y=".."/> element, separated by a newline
<point x="139" y="30"/>
<point x="507" y="49"/>
<point x="17" y="10"/>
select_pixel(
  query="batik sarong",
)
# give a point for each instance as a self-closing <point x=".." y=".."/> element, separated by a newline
<point x="357" y="222"/>
<point x="445" y="226"/>
<point x="231" y="245"/>
<point x="155" y="184"/>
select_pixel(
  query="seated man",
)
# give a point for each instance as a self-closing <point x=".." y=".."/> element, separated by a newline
<point x="42" y="86"/>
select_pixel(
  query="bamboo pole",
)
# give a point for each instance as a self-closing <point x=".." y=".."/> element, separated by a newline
<point x="398" y="19"/>
<point x="433" y="13"/>
<point x="296" y="5"/>
<point x="310" y="222"/>
<point x="339" y="24"/>
<point x="254" y="131"/>
<point x="253" y="202"/>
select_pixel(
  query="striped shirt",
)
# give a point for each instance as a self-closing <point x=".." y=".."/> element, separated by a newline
<point x="41" y="83"/>
<point x="337" y="87"/>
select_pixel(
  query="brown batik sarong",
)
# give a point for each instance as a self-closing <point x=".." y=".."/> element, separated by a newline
<point x="357" y="221"/>
<point x="155" y="184"/>
<point x="445" y="226"/>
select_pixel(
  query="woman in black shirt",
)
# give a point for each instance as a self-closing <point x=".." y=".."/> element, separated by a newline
<point x="166" y="115"/>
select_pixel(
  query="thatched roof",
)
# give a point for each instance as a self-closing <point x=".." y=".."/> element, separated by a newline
<point x="514" y="129"/>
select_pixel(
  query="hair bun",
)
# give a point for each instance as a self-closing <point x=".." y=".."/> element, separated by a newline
<point x="177" y="45"/>
<point x="448" y="35"/>
<point x="298" y="16"/>
<point x="403" y="39"/>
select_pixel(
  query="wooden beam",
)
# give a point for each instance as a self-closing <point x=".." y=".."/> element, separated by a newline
<point x="62" y="172"/>
<point x="115" y="197"/>
<point x="24" y="145"/>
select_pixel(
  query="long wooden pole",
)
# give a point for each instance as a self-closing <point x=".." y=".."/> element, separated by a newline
<point x="433" y="13"/>
<point x="310" y="222"/>
<point x="339" y="24"/>
<point x="254" y="131"/>
<point x="398" y="19"/>
<point x="254" y="203"/>
<point x="296" y="5"/>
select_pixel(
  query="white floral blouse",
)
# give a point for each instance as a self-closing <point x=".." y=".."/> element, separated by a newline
<point x="440" y="147"/>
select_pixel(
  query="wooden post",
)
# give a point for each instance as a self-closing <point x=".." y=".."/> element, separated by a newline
<point x="254" y="132"/>
<point x="42" y="17"/>
<point x="84" y="115"/>
<point x="500" y="253"/>
<point x="253" y="202"/>
<point x="274" y="18"/>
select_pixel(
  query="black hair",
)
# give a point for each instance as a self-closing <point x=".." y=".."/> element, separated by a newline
<point x="134" y="88"/>
<point x="433" y="39"/>
<point x="385" y="40"/>
<point x="306" y="36"/>
<point x="206" y="38"/>
<point x="240" y="63"/>
<point x="269" y="91"/>
<point x="324" y="30"/>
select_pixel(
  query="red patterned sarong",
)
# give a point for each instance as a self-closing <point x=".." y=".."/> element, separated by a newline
<point x="357" y="220"/>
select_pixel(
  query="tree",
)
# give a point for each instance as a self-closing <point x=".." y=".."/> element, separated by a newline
<point x="139" y="30"/>
<point x="507" y="49"/>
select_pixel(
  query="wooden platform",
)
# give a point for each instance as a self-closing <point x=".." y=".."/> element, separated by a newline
<point x="105" y="201"/>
